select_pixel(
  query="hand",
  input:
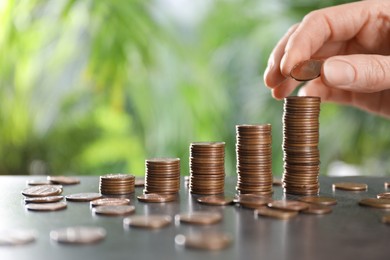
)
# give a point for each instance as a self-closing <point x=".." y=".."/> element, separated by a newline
<point x="355" y="41"/>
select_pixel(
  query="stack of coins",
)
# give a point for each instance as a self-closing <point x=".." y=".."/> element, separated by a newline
<point x="207" y="168"/>
<point x="300" y="145"/>
<point x="162" y="176"/>
<point x="117" y="184"/>
<point x="254" y="159"/>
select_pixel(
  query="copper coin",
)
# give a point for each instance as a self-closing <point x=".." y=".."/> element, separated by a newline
<point x="118" y="210"/>
<point x="376" y="203"/>
<point x="83" y="197"/>
<point x="277" y="182"/>
<point x="42" y="191"/>
<point x="149" y="222"/>
<point x="291" y="205"/>
<point x="386" y="219"/>
<point x="350" y="186"/>
<point x="387" y="185"/>
<point x="16" y="237"/>
<point x="38" y="182"/>
<point x="317" y="209"/>
<point x="78" y="235"/>
<point x="48" y="199"/>
<point x="156" y="198"/>
<point x="252" y="201"/>
<point x="139" y="182"/>
<point x="64" y="180"/>
<point x="319" y="200"/>
<point x="204" y="241"/>
<point x="307" y="70"/>
<point x="110" y="202"/>
<point x="46" y="206"/>
<point x="199" y="218"/>
<point x="384" y="195"/>
<point x="275" y="213"/>
<point x="216" y="200"/>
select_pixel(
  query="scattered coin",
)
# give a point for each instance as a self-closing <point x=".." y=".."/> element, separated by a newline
<point x="149" y="222"/>
<point x="64" y="180"/>
<point x="205" y="241"/>
<point x="46" y="206"/>
<point x="307" y="70"/>
<point x="275" y="213"/>
<point x="78" y="235"/>
<point x="384" y="195"/>
<point x="139" y="182"/>
<point x="252" y="201"/>
<point x="317" y="209"/>
<point x="386" y="219"/>
<point x="83" y="197"/>
<point x="48" y="199"/>
<point x="16" y="237"/>
<point x="156" y="198"/>
<point x="38" y="182"/>
<point x="387" y="185"/>
<point x="376" y="203"/>
<point x="215" y="200"/>
<point x="350" y="186"/>
<point x="199" y="218"/>
<point x="277" y="181"/>
<point x="42" y="191"/>
<point x="114" y="210"/>
<point x="290" y="205"/>
<point x="110" y="202"/>
<point x="319" y="200"/>
<point x="117" y="184"/>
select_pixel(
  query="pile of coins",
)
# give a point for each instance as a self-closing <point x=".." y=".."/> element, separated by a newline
<point x="162" y="176"/>
<point x="300" y="145"/>
<point x="117" y="184"/>
<point x="254" y="159"/>
<point x="207" y="168"/>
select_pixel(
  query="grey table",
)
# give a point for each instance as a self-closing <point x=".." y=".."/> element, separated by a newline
<point x="350" y="232"/>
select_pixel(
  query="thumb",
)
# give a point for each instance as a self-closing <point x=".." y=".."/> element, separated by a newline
<point x="357" y="73"/>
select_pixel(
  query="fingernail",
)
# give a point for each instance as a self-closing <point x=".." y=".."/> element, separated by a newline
<point x="338" y="73"/>
<point x="302" y="92"/>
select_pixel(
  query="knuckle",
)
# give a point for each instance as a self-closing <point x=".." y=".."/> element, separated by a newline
<point x="376" y="73"/>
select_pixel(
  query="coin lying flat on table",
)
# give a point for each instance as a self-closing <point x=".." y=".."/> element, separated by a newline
<point x="252" y="201"/>
<point x="156" y="198"/>
<point x="205" y="241"/>
<point x="78" y="235"/>
<point x="139" y="182"/>
<point x="119" y="210"/>
<point x="199" y="218"/>
<point x="387" y="184"/>
<point x="350" y="186"/>
<point x="290" y="205"/>
<point x="46" y="206"/>
<point x="275" y="213"/>
<point x="110" y="202"/>
<point x="16" y="237"/>
<point x="83" y="197"/>
<point x="307" y="70"/>
<point x="317" y="209"/>
<point x="384" y="195"/>
<point x="319" y="200"/>
<point x="277" y="181"/>
<point x="386" y="219"/>
<point x="215" y="200"/>
<point x="48" y="199"/>
<point x="376" y="203"/>
<point x="149" y="222"/>
<point x="42" y="191"/>
<point x="64" y="180"/>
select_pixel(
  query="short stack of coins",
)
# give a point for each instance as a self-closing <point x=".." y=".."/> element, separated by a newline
<point x="117" y="184"/>
<point x="207" y="168"/>
<point x="300" y="145"/>
<point x="162" y="176"/>
<point x="254" y="159"/>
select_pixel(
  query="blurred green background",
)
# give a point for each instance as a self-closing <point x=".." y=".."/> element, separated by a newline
<point x="95" y="86"/>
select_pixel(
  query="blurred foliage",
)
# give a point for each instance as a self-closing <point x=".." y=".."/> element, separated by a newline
<point x="95" y="86"/>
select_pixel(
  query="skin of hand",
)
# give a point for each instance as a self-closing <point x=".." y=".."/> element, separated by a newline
<point x="354" y="40"/>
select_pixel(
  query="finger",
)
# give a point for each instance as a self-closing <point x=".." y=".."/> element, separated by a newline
<point x="357" y="73"/>
<point x="285" y="88"/>
<point x="272" y="75"/>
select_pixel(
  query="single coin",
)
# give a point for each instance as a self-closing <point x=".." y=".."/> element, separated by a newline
<point x="110" y="202"/>
<point x="376" y="203"/>
<point x="156" y="198"/>
<point x="42" y="191"/>
<point x="16" y="237"/>
<point x="384" y="195"/>
<point x="275" y="213"/>
<point x="114" y="210"/>
<point x="291" y="205"/>
<point x="387" y="185"/>
<point x="199" y="218"/>
<point x="83" y="197"/>
<point x="386" y="219"/>
<point x="64" y="180"/>
<point x="46" y="206"/>
<point x="215" y="200"/>
<point x="38" y="182"/>
<point x="317" y="209"/>
<point x="149" y="222"/>
<point x="252" y="201"/>
<point x="350" y="186"/>
<point x="319" y="200"/>
<point x="204" y="241"/>
<point x="48" y="199"/>
<point x="78" y="235"/>
<point x="277" y="182"/>
<point x="139" y="182"/>
<point x="307" y="70"/>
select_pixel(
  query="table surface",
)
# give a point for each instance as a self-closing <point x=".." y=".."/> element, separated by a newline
<point x="349" y="232"/>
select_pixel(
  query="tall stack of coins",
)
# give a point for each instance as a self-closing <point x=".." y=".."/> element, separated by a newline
<point x="300" y="145"/>
<point x="117" y="184"/>
<point x="162" y="176"/>
<point x="254" y="159"/>
<point x="207" y="168"/>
